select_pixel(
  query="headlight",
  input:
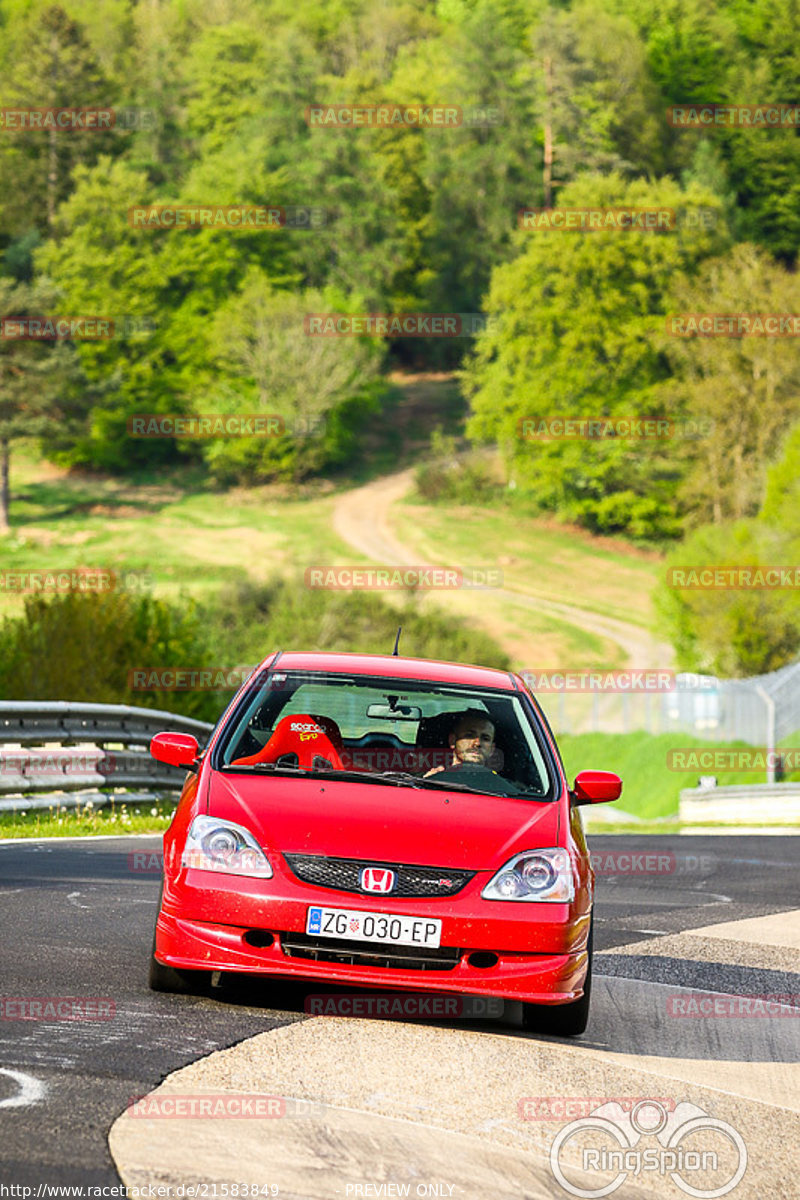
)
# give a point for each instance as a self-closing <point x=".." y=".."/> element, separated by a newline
<point x="218" y="845"/>
<point x="534" y="875"/>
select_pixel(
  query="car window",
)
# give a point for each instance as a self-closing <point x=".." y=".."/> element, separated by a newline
<point x="312" y="722"/>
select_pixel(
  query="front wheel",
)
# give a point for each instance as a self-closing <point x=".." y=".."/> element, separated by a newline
<point x="162" y="978"/>
<point x="562" y="1020"/>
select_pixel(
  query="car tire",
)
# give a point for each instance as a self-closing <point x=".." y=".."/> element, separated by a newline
<point x="162" y="978"/>
<point x="562" y="1020"/>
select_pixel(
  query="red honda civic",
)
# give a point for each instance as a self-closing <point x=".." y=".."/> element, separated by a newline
<point x="383" y="822"/>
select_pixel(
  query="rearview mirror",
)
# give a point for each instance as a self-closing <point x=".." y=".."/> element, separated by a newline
<point x="402" y="712"/>
<point x="596" y="787"/>
<point x="177" y="749"/>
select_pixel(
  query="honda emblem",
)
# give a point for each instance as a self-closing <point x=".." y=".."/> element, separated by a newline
<point x="376" y="879"/>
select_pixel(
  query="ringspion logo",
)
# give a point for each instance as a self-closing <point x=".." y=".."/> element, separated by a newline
<point x="691" y="1147"/>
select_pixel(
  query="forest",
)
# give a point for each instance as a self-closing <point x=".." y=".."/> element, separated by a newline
<point x="497" y="110"/>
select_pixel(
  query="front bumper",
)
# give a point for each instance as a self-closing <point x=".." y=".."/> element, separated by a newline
<point x="541" y="950"/>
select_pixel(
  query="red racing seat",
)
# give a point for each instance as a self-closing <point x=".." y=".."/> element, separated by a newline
<point x="305" y="740"/>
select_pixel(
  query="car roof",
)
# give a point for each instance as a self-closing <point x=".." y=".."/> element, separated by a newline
<point x="393" y="667"/>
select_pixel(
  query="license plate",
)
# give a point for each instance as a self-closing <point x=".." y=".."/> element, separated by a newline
<point x="355" y="925"/>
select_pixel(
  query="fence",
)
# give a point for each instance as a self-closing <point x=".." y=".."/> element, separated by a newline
<point x="762" y="710"/>
<point x="765" y="804"/>
<point x="48" y="746"/>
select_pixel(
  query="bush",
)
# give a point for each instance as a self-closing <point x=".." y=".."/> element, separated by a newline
<point x="732" y="631"/>
<point x="453" y="477"/>
<point x="82" y="646"/>
<point x="249" y="620"/>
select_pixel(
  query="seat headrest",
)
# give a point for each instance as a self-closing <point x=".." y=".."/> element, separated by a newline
<point x="305" y="738"/>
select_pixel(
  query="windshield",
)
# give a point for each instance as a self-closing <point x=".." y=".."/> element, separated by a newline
<point x="403" y="732"/>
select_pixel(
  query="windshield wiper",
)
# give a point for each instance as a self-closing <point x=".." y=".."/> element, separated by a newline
<point x="265" y="768"/>
<point x="450" y="786"/>
<point x="394" y="777"/>
<point x="398" y="778"/>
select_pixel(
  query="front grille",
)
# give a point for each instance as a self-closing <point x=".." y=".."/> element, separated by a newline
<point x="342" y="874"/>
<point x="368" y="954"/>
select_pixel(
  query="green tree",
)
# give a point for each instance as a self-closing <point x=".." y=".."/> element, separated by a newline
<point x="781" y="506"/>
<point x="269" y="362"/>
<point x="161" y="288"/>
<point x="577" y="332"/>
<point x="597" y="105"/>
<point x="749" y="387"/>
<point x="83" y="646"/>
<point x="48" y="64"/>
<point x="737" y="631"/>
<point x="43" y="392"/>
<point x="105" y="267"/>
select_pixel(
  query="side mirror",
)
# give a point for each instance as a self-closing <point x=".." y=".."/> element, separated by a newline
<point x="177" y="749"/>
<point x="596" y="787"/>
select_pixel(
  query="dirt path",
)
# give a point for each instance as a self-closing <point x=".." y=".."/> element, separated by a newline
<point x="362" y="518"/>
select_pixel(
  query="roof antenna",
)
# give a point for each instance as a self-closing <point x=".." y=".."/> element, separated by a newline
<point x="397" y="641"/>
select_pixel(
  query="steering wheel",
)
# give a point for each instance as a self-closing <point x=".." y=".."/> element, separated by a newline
<point x="475" y="775"/>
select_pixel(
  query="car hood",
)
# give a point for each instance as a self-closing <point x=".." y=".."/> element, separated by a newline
<point x="388" y="824"/>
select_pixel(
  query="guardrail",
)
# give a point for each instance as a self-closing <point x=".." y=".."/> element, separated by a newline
<point x="55" y="745"/>
<point x="746" y="804"/>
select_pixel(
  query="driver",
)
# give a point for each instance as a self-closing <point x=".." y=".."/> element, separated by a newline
<point x="471" y="740"/>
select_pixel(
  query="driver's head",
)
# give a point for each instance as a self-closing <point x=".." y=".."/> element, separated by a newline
<point x="472" y="738"/>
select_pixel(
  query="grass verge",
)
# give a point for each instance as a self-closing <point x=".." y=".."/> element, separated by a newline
<point x="118" y="817"/>
<point x="649" y="789"/>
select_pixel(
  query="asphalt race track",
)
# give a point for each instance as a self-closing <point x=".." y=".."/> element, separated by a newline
<point x="77" y="921"/>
